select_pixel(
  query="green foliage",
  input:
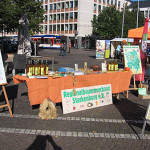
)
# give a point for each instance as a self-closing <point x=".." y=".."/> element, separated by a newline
<point x="108" y="24"/>
<point x="12" y="10"/>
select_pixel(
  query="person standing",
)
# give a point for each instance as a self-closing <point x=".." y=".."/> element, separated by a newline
<point x="69" y="46"/>
<point x="118" y="50"/>
<point x="61" y="49"/>
<point x="64" y="48"/>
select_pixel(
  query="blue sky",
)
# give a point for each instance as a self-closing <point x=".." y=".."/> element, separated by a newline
<point x="139" y="0"/>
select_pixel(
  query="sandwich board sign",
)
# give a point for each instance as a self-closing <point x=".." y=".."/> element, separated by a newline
<point x="86" y="98"/>
<point x="147" y="119"/>
<point x="2" y="72"/>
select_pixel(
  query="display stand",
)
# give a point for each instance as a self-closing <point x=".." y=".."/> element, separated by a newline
<point x="7" y="101"/>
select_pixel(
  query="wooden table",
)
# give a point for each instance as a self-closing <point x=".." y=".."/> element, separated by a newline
<point x="39" y="89"/>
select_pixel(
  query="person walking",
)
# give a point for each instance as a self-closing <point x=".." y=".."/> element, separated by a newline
<point x="63" y="48"/>
<point x="69" y="47"/>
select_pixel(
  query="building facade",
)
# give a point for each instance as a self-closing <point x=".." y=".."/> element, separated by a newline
<point x="72" y="18"/>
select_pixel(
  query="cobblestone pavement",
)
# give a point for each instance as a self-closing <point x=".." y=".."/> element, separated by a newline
<point x="112" y="127"/>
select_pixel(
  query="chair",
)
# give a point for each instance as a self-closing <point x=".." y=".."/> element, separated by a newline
<point x="19" y="64"/>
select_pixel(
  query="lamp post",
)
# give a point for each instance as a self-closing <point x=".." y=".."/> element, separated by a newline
<point x="137" y="14"/>
<point x="123" y="18"/>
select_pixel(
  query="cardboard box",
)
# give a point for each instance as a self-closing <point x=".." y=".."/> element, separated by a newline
<point x="144" y="86"/>
<point x="144" y="96"/>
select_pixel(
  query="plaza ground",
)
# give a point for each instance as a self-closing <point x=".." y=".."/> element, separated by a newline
<point x="112" y="127"/>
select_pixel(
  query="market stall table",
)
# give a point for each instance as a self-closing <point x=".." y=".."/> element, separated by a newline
<point x="39" y="89"/>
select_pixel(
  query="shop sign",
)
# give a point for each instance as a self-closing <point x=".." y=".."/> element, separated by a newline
<point x="86" y="98"/>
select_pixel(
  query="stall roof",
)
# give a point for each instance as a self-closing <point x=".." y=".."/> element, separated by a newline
<point x="121" y="39"/>
<point x="137" y="33"/>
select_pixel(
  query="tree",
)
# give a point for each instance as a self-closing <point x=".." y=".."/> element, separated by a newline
<point x="108" y="23"/>
<point x="12" y="10"/>
<point x="130" y="21"/>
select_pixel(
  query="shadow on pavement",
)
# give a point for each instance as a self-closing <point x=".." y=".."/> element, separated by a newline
<point x="42" y="143"/>
<point x="131" y="111"/>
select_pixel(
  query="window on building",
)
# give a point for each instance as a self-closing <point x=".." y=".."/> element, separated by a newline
<point x="62" y="5"/>
<point x="95" y="7"/>
<point x="111" y="2"/>
<point x="71" y="4"/>
<point x="58" y="16"/>
<point x="66" y="27"/>
<point x="107" y="1"/>
<point x="62" y="16"/>
<point x="45" y="27"/>
<point x="76" y="3"/>
<point x="75" y="15"/>
<point x="50" y="17"/>
<point x="50" y="27"/>
<point x="58" y="27"/>
<point x="115" y="2"/>
<point x="45" y="17"/>
<point x="54" y="6"/>
<point x="103" y="7"/>
<point x="118" y="3"/>
<point x="75" y="27"/>
<point x="99" y="8"/>
<point x="51" y="7"/>
<point x="54" y="17"/>
<point x="46" y="8"/>
<point x="103" y="1"/>
<point x="70" y="27"/>
<point x="58" y="5"/>
<point x="54" y="27"/>
<point x="99" y="1"/>
<point x="66" y="16"/>
<point x="67" y="5"/>
<point x="62" y="27"/>
<point x="71" y="15"/>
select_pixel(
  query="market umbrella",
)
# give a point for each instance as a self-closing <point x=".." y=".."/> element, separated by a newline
<point x="24" y="45"/>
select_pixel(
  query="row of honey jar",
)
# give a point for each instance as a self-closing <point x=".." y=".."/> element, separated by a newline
<point x="37" y="67"/>
<point x="112" y="66"/>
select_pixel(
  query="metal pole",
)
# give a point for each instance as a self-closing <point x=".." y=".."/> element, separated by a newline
<point x="137" y="14"/>
<point x="123" y="19"/>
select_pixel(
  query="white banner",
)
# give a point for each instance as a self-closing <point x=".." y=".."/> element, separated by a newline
<point x="2" y="72"/>
<point x="86" y="98"/>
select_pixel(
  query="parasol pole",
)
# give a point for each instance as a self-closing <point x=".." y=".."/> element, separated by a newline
<point x="123" y="18"/>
